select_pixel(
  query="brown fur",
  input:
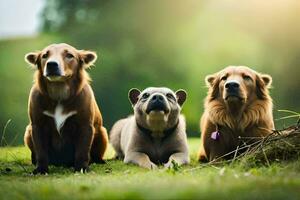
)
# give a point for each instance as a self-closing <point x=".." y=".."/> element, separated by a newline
<point x="248" y="116"/>
<point x="82" y="138"/>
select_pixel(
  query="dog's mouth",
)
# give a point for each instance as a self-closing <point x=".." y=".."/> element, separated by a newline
<point x="57" y="78"/>
<point x="158" y="108"/>
<point x="233" y="97"/>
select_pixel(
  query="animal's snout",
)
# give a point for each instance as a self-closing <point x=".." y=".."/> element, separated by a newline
<point x="157" y="98"/>
<point x="232" y="89"/>
<point x="157" y="103"/>
<point x="53" y="69"/>
<point x="232" y="86"/>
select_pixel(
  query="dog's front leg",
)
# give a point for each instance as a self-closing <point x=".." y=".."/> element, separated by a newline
<point x="82" y="148"/>
<point x="40" y="143"/>
<point x="140" y="159"/>
<point x="179" y="158"/>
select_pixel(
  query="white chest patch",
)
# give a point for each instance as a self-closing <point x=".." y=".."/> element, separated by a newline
<point x="59" y="117"/>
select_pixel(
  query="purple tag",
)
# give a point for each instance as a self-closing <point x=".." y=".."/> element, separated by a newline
<point x="215" y="135"/>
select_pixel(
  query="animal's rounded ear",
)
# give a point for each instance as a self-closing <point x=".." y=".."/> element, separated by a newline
<point x="212" y="81"/>
<point x="181" y="96"/>
<point x="263" y="82"/>
<point x="267" y="79"/>
<point x="88" y="58"/>
<point x="32" y="58"/>
<point x="209" y="80"/>
<point x="133" y="95"/>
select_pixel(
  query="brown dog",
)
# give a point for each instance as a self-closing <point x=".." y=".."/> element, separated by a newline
<point x="65" y="122"/>
<point x="237" y="104"/>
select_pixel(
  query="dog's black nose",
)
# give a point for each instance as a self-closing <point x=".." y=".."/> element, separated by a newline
<point x="232" y="85"/>
<point x="158" y="103"/>
<point x="52" y="65"/>
<point x="53" y="69"/>
<point x="158" y="98"/>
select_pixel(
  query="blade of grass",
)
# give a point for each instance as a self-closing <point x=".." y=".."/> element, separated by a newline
<point x="288" y="117"/>
<point x="4" y="131"/>
<point x="289" y="111"/>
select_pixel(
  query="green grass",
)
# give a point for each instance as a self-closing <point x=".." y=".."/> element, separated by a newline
<point x="116" y="180"/>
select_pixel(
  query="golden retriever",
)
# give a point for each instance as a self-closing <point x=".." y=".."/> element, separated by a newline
<point x="238" y="107"/>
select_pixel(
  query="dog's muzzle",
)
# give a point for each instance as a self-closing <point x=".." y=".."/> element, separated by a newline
<point x="157" y="103"/>
<point x="53" y="69"/>
<point x="232" y="89"/>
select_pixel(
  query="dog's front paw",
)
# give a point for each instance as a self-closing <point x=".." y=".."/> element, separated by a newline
<point x="40" y="170"/>
<point x="171" y="164"/>
<point x="153" y="166"/>
<point x="82" y="170"/>
<point x="149" y="165"/>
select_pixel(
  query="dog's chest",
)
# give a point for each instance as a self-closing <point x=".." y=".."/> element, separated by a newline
<point x="158" y="151"/>
<point x="59" y="116"/>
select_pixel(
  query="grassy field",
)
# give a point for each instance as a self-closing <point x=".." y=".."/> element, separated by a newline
<point x="115" y="180"/>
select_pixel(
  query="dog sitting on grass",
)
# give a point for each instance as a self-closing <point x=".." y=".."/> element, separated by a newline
<point x="238" y="105"/>
<point x="156" y="133"/>
<point x="65" y="122"/>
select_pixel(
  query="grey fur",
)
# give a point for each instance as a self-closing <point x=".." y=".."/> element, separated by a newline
<point x="137" y="146"/>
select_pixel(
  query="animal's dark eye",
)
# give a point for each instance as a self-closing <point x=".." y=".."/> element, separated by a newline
<point x="45" y="55"/>
<point x="69" y="56"/>
<point x="247" y="78"/>
<point x="145" y="95"/>
<point x="171" y="96"/>
<point x="224" y="78"/>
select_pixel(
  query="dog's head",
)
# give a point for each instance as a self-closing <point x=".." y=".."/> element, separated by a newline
<point x="59" y="62"/>
<point x="157" y="109"/>
<point x="238" y="86"/>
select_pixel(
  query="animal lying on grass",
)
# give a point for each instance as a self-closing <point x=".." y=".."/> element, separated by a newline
<point x="65" y="122"/>
<point x="156" y="133"/>
<point x="238" y="104"/>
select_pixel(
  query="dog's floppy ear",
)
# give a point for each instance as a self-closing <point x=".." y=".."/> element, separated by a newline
<point x="209" y="80"/>
<point x="88" y="58"/>
<point x="263" y="83"/>
<point x="32" y="58"/>
<point x="181" y="96"/>
<point x="133" y="95"/>
<point x="212" y="81"/>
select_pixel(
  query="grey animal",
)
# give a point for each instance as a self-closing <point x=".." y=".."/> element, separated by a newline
<point x="156" y="133"/>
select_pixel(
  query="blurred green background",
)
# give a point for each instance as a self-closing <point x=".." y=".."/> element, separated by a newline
<point x="171" y="43"/>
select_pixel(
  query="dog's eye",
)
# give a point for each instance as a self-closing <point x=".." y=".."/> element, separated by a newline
<point x="247" y="78"/>
<point x="224" y="78"/>
<point x="171" y="96"/>
<point x="69" y="56"/>
<point x="145" y="96"/>
<point x="44" y="56"/>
